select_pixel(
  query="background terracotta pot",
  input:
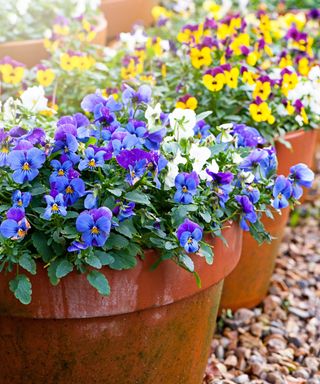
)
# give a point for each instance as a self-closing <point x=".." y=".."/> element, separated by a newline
<point x="248" y="284"/>
<point x="156" y="326"/>
<point x="31" y="52"/>
<point x="123" y="14"/>
<point x="303" y="145"/>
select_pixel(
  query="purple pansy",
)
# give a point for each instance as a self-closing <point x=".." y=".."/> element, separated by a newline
<point x="21" y="199"/>
<point x="124" y="210"/>
<point x="247" y="136"/>
<point x="222" y="185"/>
<point x="72" y="190"/>
<point x="60" y="170"/>
<point x="143" y="95"/>
<point x="189" y="234"/>
<point x="201" y="130"/>
<point x="16" y="226"/>
<point x="248" y="212"/>
<point x="93" y="160"/>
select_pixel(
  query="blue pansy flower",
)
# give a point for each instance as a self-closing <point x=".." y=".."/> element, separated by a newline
<point x="154" y="139"/>
<point x="255" y="163"/>
<point x="124" y="211"/>
<point x="189" y="234"/>
<point x="282" y="191"/>
<point x="60" y="170"/>
<point x="222" y="185"/>
<point x="21" y="199"/>
<point x="252" y="193"/>
<point x="93" y="160"/>
<point x="143" y="95"/>
<point x="247" y="136"/>
<point x="94" y="225"/>
<point x="72" y="190"/>
<point x="69" y="147"/>
<point x="186" y="184"/>
<point x="16" y="226"/>
<point x="26" y="164"/>
<point x="55" y="206"/>
<point x="248" y="210"/>
<point x="201" y="130"/>
<point x="91" y="201"/>
<point x="300" y="176"/>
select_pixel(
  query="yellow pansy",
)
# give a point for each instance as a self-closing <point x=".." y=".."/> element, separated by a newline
<point x="285" y="61"/>
<point x="232" y="77"/>
<point x="249" y="77"/>
<point x="261" y="112"/>
<point x="154" y="43"/>
<point x="164" y="70"/>
<point x="62" y="30"/>
<point x="298" y="19"/>
<point x="45" y="77"/>
<point x="262" y="90"/>
<point x="264" y="23"/>
<point x="243" y="40"/>
<point x="134" y="68"/>
<point x="148" y="79"/>
<point x="253" y="57"/>
<point x="304" y="115"/>
<point x="290" y="108"/>
<point x="200" y="57"/>
<point x="190" y="35"/>
<point x="303" y="66"/>
<point x="187" y="102"/>
<point x="289" y="82"/>
<point x="214" y="82"/>
<point x="159" y="12"/>
<point x="213" y="8"/>
<point x="140" y="53"/>
<point x="67" y="63"/>
<point x="11" y="74"/>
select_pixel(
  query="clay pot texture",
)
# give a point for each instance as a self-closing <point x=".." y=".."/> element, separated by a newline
<point x="31" y="52"/>
<point x="248" y="284"/>
<point x="122" y="15"/>
<point x="155" y="328"/>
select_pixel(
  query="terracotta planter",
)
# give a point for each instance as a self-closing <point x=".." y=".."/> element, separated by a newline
<point x="156" y="326"/>
<point x="123" y="14"/>
<point x="248" y="284"/>
<point x="31" y="52"/>
<point x="303" y="149"/>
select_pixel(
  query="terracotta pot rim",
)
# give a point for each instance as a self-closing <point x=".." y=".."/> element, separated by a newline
<point x="131" y="290"/>
<point x="102" y="24"/>
<point x="295" y="134"/>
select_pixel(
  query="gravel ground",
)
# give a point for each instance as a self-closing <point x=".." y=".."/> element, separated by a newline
<point x="278" y="342"/>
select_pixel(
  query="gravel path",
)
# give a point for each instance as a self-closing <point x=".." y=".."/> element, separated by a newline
<point x="279" y="341"/>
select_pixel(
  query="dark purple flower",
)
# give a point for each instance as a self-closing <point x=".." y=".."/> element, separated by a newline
<point x="124" y="210"/>
<point x="248" y="212"/>
<point x="247" y="136"/>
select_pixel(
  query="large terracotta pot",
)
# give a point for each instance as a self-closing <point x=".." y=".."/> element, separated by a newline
<point x="31" y="52"/>
<point x="123" y="14"/>
<point x="248" y="284"/>
<point x="155" y="328"/>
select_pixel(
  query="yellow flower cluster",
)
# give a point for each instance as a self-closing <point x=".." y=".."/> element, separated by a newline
<point x="11" y="74"/>
<point x="69" y="62"/>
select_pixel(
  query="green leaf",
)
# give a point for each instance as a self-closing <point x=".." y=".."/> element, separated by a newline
<point x="105" y="258"/>
<point x="187" y="262"/>
<point x="117" y="192"/>
<point x="72" y="215"/>
<point x="169" y="245"/>
<point x="206" y="216"/>
<point x="123" y="259"/>
<point x="207" y="253"/>
<point x="99" y="282"/>
<point x="116" y="242"/>
<point x="52" y="273"/>
<point x="21" y="287"/>
<point x="28" y="263"/>
<point x="94" y="261"/>
<point x="38" y="190"/>
<point x="203" y="115"/>
<point x="39" y="241"/>
<point x="127" y="228"/>
<point x="63" y="268"/>
<point x="138" y="197"/>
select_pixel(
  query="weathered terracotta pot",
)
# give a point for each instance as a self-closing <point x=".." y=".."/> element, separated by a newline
<point x="248" y="284"/>
<point x="31" y="52"/>
<point x="123" y="14"/>
<point x="156" y="326"/>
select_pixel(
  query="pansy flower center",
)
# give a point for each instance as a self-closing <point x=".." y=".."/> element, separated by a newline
<point x="184" y="189"/>
<point x="92" y="163"/>
<point x="5" y="150"/>
<point x="55" y="207"/>
<point x="69" y="189"/>
<point x="61" y="172"/>
<point x="280" y="196"/>
<point x="21" y="232"/>
<point x="190" y="240"/>
<point x="95" y="230"/>
<point x="26" y="166"/>
<point x="19" y="203"/>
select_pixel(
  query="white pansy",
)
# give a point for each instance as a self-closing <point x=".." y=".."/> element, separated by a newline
<point x="247" y="177"/>
<point x="173" y="169"/>
<point x="182" y="121"/>
<point x="138" y="37"/>
<point x="165" y="45"/>
<point x="212" y="167"/>
<point x="200" y="156"/>
<point x="236" y="158"/>
<point x="299" y="120"/>
<point x="153" y="114"/>
<point x="243" y="5"/>
<point x="282" y="110"/>
<point x="314" y="74"/>
<point x="34" y="99"/>
<point x="10" y="109"/>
